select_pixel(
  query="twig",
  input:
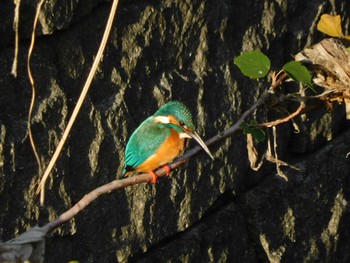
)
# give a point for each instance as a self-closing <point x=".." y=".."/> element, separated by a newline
<point x="280" y="121"/>
<point x="278" y="163"/>
<point x="278" y="79"/>
<point x="15" y="28"/>
<point x="31" y="79"/>
<point x="323" y="96"/>
<point x="88" y="198"/>
<point x="237" y="125"/>
<point x="106" y="189"/>
<point x="41" y="186"/>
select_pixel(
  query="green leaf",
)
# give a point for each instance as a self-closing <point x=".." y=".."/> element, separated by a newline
<point x="253" y="64"/>
<point x="245" y="127"/>
<point x="298" y="72"/>
<point x="257" y="133"/>
<point x="253" y="122"/>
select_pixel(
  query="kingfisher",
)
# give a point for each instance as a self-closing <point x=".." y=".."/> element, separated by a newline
<point x="160" y="139"/>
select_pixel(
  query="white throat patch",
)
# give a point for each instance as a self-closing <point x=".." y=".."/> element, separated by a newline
<point x="184" y="135"/>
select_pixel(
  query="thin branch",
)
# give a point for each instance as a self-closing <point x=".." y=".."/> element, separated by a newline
<point x="143" y="178"/>
<point x="278" y="163"/>
<point x="88" y="198"/>
<point x="31" y="79"/>
<point x="280" y="121"/>
<point x="76" y="110"/>
<point x="326" y="95"/>
<point x="237" y="125"/>
<point x="278" y="79"/>
<point x="15" y="28"/>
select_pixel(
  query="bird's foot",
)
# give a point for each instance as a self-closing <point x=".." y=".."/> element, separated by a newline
<point x="154" y="177"/>
<point x="167" y="169"/>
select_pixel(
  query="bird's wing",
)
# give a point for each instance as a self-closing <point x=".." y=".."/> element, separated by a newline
<point x="144" y="142"/>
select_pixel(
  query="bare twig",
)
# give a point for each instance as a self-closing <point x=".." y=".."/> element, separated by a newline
<point x="15" y="28"/>
<point x="278" y="163"/>
<point x="278" y="79"/>
<point x="280" y="121"/>
<point x="237" y="125"/>
<point x="104" y="189"/>
<point x="31" y="79"/>
<point x="76" y="110"/>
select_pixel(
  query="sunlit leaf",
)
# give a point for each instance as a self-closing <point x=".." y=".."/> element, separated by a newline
<point x="298" y="72"/>
<point x="253" y="64"/>
<point x="330" y="25"/>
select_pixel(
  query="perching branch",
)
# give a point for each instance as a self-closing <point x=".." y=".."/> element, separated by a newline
<point x="144" y="178"/>
<point x="37" y="234"/>
<point x="35" y="237"/>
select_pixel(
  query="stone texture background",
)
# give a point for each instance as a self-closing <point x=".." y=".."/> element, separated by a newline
<point x="218" y="211"/>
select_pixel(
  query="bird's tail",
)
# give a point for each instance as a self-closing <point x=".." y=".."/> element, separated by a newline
<point x="126" y="172"/>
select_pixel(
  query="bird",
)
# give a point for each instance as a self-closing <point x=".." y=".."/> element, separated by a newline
<point x="160" y="139"/>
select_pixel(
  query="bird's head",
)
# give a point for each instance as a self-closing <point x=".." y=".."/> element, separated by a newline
<point x="176" y="115"/>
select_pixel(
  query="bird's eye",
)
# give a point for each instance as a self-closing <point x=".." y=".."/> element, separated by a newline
<point x="183" y="125"/>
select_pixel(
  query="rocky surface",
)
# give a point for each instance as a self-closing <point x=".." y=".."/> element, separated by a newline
<point x="219" y="211"/>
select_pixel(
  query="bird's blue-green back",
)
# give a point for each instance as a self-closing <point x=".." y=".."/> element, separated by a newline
<point x="144" y="142"/>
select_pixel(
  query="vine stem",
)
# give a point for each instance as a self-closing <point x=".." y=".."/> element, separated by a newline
<point x="32" y="83"/>
<point x="41" y="186"/>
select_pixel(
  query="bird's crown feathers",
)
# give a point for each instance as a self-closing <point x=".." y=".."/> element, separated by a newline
<point x="179" y="111"/>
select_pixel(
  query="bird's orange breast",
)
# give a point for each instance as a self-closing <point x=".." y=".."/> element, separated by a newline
<point x="172" y="147"/>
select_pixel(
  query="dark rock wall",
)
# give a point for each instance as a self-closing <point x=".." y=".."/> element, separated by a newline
<point x="218" y="211"/>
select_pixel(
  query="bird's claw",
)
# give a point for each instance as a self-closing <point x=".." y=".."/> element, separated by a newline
<point x="167" y="169"/>
<point x="154" y="177"/>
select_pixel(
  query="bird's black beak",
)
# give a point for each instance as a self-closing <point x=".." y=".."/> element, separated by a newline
<point x="199" y="140"/>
